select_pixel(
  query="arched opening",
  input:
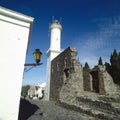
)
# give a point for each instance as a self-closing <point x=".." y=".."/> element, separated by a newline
<point x="95" y="81"/>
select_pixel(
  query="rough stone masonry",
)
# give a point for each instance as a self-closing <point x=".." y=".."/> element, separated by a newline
<point x="92" y="92"/>
<point x="66" y="76"/>
<point x="68" y="79"/>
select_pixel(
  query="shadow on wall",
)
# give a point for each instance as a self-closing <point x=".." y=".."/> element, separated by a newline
<point x="26" y="109"/>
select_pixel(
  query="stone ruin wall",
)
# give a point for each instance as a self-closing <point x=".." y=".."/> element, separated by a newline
<point x="66" y="76"/>
<point x="69" y="80"/>
<point x="106" y="84"/>
<point x="91" y="92"/>
<point x="101" y="81"/>
<point x="87" y="78"/>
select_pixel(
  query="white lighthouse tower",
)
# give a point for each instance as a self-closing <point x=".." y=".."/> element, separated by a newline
<point x="53" y="51"/>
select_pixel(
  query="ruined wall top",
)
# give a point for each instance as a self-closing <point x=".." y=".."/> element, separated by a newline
<point x="66" y="72"/>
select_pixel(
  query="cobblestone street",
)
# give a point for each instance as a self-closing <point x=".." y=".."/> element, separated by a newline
<point x="43" y="110"/>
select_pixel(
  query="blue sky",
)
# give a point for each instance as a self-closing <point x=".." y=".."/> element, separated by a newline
<point x="92" y="26"/>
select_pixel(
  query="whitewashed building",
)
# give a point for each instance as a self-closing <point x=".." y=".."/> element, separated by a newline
<point x="37" y="92"/>
<point x="41" y="90"/>
<point x="15" y="30"/>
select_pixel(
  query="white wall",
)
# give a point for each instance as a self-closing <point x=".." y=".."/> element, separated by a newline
<point x="14" y="36"/>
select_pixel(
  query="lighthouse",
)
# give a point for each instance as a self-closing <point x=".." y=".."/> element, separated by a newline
<point x="53" y="51"/>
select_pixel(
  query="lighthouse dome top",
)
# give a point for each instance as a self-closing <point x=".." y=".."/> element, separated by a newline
<point x="56" y="24"/>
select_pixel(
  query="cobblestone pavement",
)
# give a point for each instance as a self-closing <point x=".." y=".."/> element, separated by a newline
<point x="44" y="110"/>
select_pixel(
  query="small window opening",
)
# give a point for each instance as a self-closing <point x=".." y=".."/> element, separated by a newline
<point x="67" y="73"/>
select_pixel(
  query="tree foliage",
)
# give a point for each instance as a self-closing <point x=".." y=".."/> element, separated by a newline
<point x="100" y="61"/>
<point x="114" y="68"/>
<point x="25" y="89"/>
<point x="86" y="66"/>
<point x="107" y="67"/>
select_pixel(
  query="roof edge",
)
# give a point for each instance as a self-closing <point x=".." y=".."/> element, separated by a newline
<point x="16" y="15"/>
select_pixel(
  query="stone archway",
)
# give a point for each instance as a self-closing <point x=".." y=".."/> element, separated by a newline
<point x="95" y="82"/>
